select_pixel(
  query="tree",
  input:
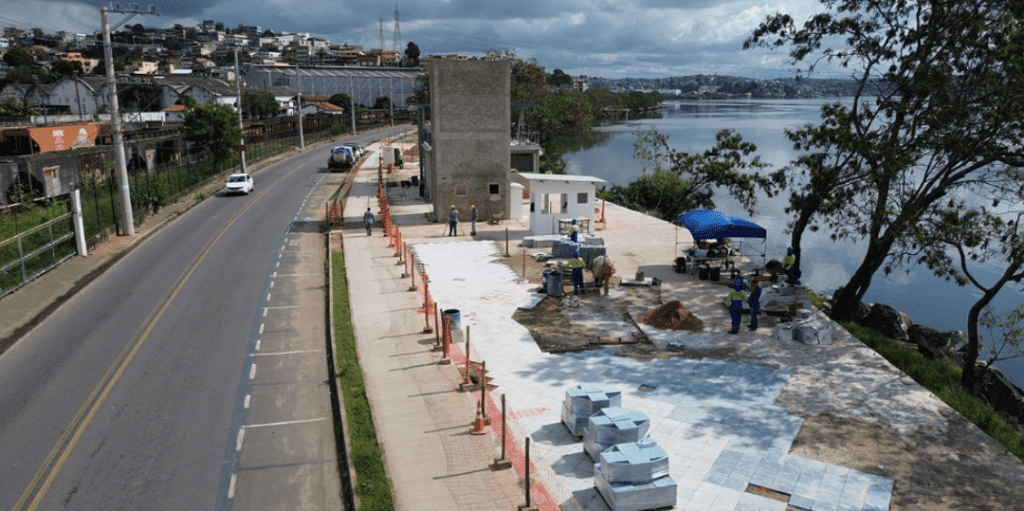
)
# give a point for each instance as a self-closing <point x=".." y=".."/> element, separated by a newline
<point x="140" y="97"/>
<point x="977" y="236"/>
<point x="558" y="78"/>
<point x="67" y="68"/>
<point x="420" y="94"/>
<point x="18" y="56"/>
<point x="14" y="108"/>
<point x="382" y="103"/>
<point x="948" y="84"/>
<point x="259" y="104"/>
<point x="213" y="127"/>
<point x="188" y="101"/>
<point x="412" y="52"/>
<point x="341" y="100"/>
<point x="680" y="181"/>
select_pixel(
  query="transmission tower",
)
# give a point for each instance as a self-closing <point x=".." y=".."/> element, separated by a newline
<point x="398" y="34"/>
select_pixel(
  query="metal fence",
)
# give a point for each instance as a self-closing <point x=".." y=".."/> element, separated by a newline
<point x="34" y="252"/>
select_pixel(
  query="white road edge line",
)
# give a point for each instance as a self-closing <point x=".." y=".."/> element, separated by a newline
<point x="284" y="353"/>
<point x="241" y="435"/>
<point x="248" y="397"/>
<point x="231" y="489"/>
<point x="287" y="423"/>
<point x="252" y="372"/>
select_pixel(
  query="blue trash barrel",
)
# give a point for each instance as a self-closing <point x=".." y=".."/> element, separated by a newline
<point x="455" y="321"/>
<point x="544" y="282"/>
<point x="555" y="284"/>
<point x="415" y="180"/>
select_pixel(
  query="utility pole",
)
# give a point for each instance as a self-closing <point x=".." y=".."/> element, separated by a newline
<point x="120" y="166"/>
<point x="298" y="85"/>
<point x="352" y="102"/>
<point x="238" y="88"/>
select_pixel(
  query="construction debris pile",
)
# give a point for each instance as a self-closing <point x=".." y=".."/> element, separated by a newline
<point x="672" y="316"/>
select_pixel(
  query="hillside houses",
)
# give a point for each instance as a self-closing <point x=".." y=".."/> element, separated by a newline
<point x="198" y="62"/>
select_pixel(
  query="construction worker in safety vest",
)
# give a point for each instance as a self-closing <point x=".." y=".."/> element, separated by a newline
<point x="736" y="299"/>
<point x="788" y="265"/>
<point x="578" y="286"/>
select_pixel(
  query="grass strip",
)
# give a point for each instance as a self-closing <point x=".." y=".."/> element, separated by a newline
<point x="372" y="484"/>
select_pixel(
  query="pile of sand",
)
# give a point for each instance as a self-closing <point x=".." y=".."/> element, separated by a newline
<point x="672" y="316"/>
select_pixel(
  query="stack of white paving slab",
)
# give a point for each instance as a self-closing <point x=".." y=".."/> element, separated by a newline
<point x="634" y="476"/>
<point x="586" y="400"/>
<point x="612" y="426"/>
<point x="811" y="328"/>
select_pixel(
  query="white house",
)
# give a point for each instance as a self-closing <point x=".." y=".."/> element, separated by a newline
<point x="555" y="197"/>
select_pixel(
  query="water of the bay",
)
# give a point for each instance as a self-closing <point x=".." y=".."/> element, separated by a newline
<point x="691" y="126"/>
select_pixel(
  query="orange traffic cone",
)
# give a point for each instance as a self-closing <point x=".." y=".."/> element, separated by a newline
<point x="479" y="426"/>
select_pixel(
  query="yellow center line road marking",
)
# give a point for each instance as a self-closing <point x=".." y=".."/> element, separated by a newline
<point x="54" y="462"/>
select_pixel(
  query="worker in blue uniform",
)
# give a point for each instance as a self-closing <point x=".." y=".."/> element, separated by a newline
<point x="574" y="232"/>
<point x="789" y="265"/>
<point x="736" y="299"/>
<point x="453" y="220"/>
<point x="754" y="301"/>
<point x="578" y="286"/>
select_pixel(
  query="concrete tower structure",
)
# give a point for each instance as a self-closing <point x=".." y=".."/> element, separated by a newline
<point x="469" y="154"/>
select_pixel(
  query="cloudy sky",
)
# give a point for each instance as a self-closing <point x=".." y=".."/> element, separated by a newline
<point x="610" y="38"/>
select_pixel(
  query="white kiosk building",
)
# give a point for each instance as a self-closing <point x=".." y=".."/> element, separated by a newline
<point x="559" y="197"/>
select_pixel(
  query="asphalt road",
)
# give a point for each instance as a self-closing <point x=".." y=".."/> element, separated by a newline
<point x="193" y="374"/>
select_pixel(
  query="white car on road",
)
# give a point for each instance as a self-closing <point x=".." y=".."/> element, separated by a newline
<point x="239" y="183"/>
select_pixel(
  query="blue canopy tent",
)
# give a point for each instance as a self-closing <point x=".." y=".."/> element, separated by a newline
<point x="705" y="225"/>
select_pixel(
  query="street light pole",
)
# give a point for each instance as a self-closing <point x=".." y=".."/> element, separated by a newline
<point x="115" y="128"/>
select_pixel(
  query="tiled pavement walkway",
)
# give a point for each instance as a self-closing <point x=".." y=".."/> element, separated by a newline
<point x="715" y="419"/>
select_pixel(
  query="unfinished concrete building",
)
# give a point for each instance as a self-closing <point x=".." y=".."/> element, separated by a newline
<point x="468" y="150"/>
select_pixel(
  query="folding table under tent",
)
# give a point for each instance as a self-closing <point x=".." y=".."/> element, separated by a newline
<point x="705" y="224"/>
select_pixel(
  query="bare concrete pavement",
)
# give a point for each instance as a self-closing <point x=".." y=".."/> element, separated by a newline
<point x="422" y="420"/>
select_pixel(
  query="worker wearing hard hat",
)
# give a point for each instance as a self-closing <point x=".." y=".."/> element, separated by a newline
<point x="789" y="265"/>
<point x="736" y="299"/>
<point x="453" y="220"/>
<point x="578" y="286"/>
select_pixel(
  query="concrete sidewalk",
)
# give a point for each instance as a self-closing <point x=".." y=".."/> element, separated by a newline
<point x="422" y="420"/>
